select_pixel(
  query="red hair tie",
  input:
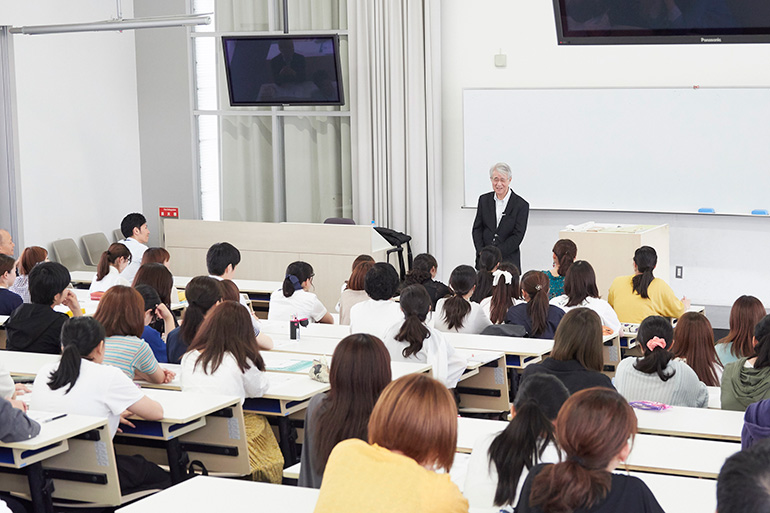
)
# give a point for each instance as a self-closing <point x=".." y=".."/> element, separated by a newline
<point x="656" y="342"/>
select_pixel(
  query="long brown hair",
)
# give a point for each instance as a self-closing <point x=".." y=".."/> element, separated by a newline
<point x="121" y="312"/>
<point x="158" y="277"/>
<point x="579" y="337"/>
<point x="592" y="427"/>
<point x="359" y="371"/>
<point x="357" y="277"/>
<point x="503" y="293"/>
<point x="746" y="312"/>
<point x="109" y="257"/>
<point x="694" y="341"/>
<point x="227" y="329"/>
<point x="30" y="257"/>
<point x="415" y="303"/>
<point x="461" y="281"/>
<point x="156" y="256"/>
<point x="580" y="283"/>
<point x="565" y="251"/>
<point x="417" y="416"/>
<point x="535" y="284"/>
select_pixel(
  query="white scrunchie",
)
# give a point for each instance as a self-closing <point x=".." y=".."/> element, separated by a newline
<point x="496" y="274"/>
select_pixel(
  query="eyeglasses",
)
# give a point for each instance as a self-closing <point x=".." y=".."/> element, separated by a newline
<point x="497" y="179"/>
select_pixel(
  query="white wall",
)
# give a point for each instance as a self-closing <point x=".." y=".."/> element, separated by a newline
<point x="77" y="121"/>
<point x="722" y="256"/>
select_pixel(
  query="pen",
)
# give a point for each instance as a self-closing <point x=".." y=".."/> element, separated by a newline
<point x="55" y="418"/>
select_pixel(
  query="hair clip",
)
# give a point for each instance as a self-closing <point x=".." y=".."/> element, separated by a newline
<point x="538" y="287"/>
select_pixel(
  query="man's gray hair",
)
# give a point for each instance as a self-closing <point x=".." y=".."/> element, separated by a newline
<point x="503" y="169"/>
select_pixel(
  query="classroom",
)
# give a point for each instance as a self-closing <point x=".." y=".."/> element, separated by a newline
<point x="105" y="123"/>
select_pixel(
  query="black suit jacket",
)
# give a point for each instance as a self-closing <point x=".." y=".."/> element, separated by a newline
<point x="509" y="234"/>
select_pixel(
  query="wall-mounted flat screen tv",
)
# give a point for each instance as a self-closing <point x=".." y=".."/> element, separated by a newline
<point x="604" y="22"/>
<point x="283" y="70"/>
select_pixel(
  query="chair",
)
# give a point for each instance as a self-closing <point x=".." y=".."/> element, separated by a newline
<point x="67" y="253"/>
<point x="118" y="235"/>
<point x="95" y="244"/>
<point x="338" y="220"/>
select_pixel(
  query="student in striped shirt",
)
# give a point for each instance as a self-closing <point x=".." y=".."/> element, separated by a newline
<point x="121" y="312"/>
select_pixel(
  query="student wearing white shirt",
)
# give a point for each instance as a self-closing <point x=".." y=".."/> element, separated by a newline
<point x="376" y="315"/>
<point x="79" y="384"/>
<point x="294" y="299"/>
<point x="457" y="313"/>
<point x="136" y="233"/>
<point x="412" y="340"/>
<point x="224" y="359"/>
<point x="111" y="264"/>
<point x="580" y="290"/>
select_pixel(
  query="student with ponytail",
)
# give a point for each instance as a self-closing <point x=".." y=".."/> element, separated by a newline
<point x="539" y="318"/>
<point x="506" y="292"/>
<point x="500" y="462"/>
<point x="79" y="384"/>
<point x="488" y="262"/>
<point x="593" y="428"/>
<point x="458" y="313"/>
<point x="413" y="340"/>
<point x="657" y="376"/>
<point x="640" y="295"/>
<point x="111" y="264"/>
<point x="564" y="254"/>
<point x="294" y="298"/>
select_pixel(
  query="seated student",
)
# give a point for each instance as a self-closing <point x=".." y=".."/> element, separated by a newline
<point x="30" y="257"/>
<point x="358" y="260"/>
<point x="742" y="483"/>
<point x="157" y="255"/>
<point x="506" y="292"/>
<point x="539" y="318"/>
<point x="423" y="272"/>
<point x="230" y="292"/>
<point x="9" y="301"/>
<point x="756" y="423"/>
<point x="694" y="345"/>
<point x="658" y="376"/>
<point x="746" y="312"/>
<point x="80" y="385"/>
<point x="224" y="359"/>
<point x="202" y="293"/>
<point x="35" y="327"/>
<point x="641" y="295"/>
<point x="15" y="427"/>
<point x="354" y="292"/>
<point x="121" y="312"/>
<point x="412" y="340"/>
<point x="457" y="313"/>
<point x="111" y="264"/>
<point x="134" y="229"/>
<point x="595" y="429"/>
<point x="359" y="371"/>
<point x="488" y="261"/>
<point x="747" y="380"/>
<point x="500" y="462"/>
<point x="413" y="428"/>
<point x="155" y="310"/>
<point x="564" y="253"/>
<point x="221" y="260"/>
<point x="376" y="315"/>
<point x="576" y="358"/>
<point x="159" y="278"/>
<point x="580" y="290"/>
<point x="294" y="298"/>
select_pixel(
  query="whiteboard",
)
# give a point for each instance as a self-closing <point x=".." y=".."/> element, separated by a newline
<point x="645" y="150"/>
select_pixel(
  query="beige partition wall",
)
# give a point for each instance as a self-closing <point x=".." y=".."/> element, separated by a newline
<point x="609" y="248"/>
<point x="267" y="248"/>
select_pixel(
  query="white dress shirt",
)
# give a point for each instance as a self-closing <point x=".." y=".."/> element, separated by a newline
<point x="500" y="205"/>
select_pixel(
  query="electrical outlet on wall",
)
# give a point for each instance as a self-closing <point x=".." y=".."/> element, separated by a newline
<point x="678" y="272"/>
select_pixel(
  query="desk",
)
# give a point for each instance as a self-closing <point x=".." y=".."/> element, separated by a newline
<point x="680" y="456"/>
<point x="692" y="423"/>
<point x="678" y="494"/>
<point x="519" y="352"/>
<point x="209" y="494"/>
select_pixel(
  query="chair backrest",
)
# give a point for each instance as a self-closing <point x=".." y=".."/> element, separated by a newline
<point x="339" y="220"/>
<point x="118" y="235"/>
<point x="67" y="253"/>
<point x="95" y="244"/>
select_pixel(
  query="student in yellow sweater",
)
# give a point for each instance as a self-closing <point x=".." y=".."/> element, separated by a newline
<point x="412" y="431"/>
<point x="640" y="295"/>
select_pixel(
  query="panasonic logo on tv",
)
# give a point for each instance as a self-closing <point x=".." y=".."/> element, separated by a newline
<point x="711" y="40"/>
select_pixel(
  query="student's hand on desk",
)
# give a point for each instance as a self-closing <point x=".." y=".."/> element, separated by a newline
<point x="124" y="420"/>
<point x="19" y="405"/>
<point x="70" y="300"/>
<point x="168" y="376"/>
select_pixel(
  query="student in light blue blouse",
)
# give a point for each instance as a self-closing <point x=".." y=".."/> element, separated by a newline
<point x="746" y="312"/>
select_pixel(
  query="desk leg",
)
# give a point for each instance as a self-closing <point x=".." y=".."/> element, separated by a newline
<point x="40" y="489"/>
<point x="288" y="444"/>
<point x="177" y="461"/>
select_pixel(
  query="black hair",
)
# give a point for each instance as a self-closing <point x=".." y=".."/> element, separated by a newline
<point x="522" y="443"/>
<point x="46" y="280"/>
<point x="655" y="360"/>
<point x="742" y="486"/>
<point x="461" y="281"/>
<point x="421" y="269"/>
<point x="79" y="337"/>
<point x="7" y="263"/>
<point x="150" y="296"/>
<point x="762" y="349"/>
<point x="131" y="221"/>
<point x="219" y="256"/>
<point x="645" y="259"/>
<point x="489" y="258"/>
<point x="415" y="303"/>
<point x="381" y="281"/>
<point x="300" y="271"/>
<point x="202" y="293"/>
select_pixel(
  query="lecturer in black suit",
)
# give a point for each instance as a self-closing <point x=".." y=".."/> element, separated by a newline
<point x="501" y="217"/>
